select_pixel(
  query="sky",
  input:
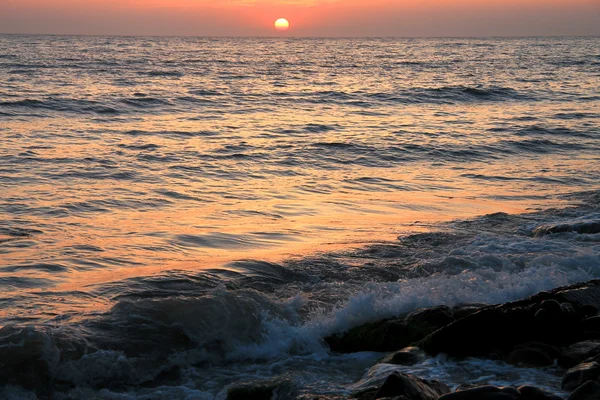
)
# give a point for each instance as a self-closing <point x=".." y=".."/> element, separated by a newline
<point x="354" y="18"/>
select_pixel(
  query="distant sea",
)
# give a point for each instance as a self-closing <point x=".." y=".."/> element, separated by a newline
<point x="178" y="215"/>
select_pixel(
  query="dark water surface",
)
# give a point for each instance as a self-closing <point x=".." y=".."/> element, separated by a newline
<point x="179" y="214"/>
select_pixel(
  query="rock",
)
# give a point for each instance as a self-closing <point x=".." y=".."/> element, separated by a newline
<point x="533" y="393"/>
<point x="590" y="310"/>
<point x="529" y="357"/>
<point x="567" y="308"/>
<point x="262" y="390"/>
<point x="578" y="353"/>
<point x="370" y="395"/>
<point x="591" y="327"/>
<point x="395" y="398"/>
<point x="406" y="356"/>
<point x="430" y="318"/>
<point x="592" y="323"/>
<point x="580" y="374"/>
<point x="553" y="306"/>
<point x="411" y="387"/>
<point x="587" y="227"/>
<point x="582" y="296"/>
<point x="533" y="355"/>
<point x="484" y="393"/>
<point x="543" y="315"/>
<point x="588" y="391"/>
<point x="466" y="386"/>
<point x="462" y="310"/>
<point x="391" y="334"/>
<point x="255" y="392"/>
<point x="481" y="333"/>
<point x="499" y="329"/>
<point x="386" y="335"/>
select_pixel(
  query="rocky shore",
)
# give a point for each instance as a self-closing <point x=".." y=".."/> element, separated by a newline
<point x="560" y="327"/>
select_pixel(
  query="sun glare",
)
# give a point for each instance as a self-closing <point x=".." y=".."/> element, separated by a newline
<point x="282" y="24"/>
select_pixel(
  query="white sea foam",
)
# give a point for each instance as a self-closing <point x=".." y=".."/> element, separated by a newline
<point x="468" y="371"/>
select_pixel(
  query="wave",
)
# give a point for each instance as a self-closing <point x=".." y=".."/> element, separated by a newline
<point x="80" y="106"/>
<point x="175" y="133"/>
<point x="60" y="105"/>
<point x="538" y="130"/>
<point x="9" y="283"/>
<point x="541" y="146"/>
<point x="441" y="95"/>
<point x="163" y="328"/>
<point x="460" y="94"/>
<point x="22" y="103"/>
<point x="169" y="73"/>
<point x="206" y="92"/>
<point x="140" y="102"/>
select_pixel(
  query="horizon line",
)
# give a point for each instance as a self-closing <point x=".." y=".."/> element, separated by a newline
<point x="302" y="37"/>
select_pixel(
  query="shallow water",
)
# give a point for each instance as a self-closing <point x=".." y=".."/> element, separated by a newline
<point x="215" y="207"/>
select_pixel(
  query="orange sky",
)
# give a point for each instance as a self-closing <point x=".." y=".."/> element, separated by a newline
<point x="308" y="17"/>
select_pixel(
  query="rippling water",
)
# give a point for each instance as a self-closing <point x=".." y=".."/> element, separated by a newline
<point x="136" y="173"/>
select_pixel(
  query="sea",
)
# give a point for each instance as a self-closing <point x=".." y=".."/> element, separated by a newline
<point x="180" y="215"/>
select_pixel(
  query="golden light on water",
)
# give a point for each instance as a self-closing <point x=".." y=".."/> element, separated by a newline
<point x="282" y="24"/>
<point x="197" y="165"/>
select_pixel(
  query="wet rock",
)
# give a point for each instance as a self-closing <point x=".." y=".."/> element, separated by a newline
<point x="587" y="227"/>
<point x="592" y="323"/>
<point x="552" y="306"/>
<point x="591" y="327"/>
<point x="533" y="355"/>
<point x="484" y="393"/>
<point x="391" y="334"/>
<point x="466" y="386"/>
<point x="578" y="353"/>
<point x="395" y="398"/>
<point x="582" y="296"/>
<point x="580" y="374"/>
<point x="386" y="335"/>
<point x="262" y="390"/>
<point x="481" y="333"/>
<point x="567" y="308"/>
<point x="534" y="393"/>
<point x="411" y="388"/>
<point x="462" y="310"/>
<point x="430" y="318"/>
<point x="529" y="357"/>
<point x="499" y="329"/>
<point x="406" y="356"/>
<point x="588" y="391"/>
<point x="257" y="392"/>
<point x="370" y="395"/>
<point x="323" y="397"/>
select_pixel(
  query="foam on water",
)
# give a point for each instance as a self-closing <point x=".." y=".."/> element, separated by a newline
<point x="468" y="371"/>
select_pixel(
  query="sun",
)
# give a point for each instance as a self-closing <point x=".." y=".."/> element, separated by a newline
<point x="282" y="24"/>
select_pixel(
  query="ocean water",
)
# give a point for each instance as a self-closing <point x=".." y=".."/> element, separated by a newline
<point x="178" y="215"/>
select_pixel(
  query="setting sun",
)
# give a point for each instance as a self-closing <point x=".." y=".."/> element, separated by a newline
<point x="282" y="24"/>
